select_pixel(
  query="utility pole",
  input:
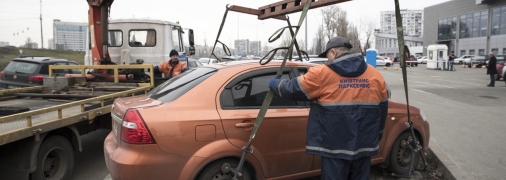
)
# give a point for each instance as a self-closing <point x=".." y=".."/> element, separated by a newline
<point x="307" y="48"/>
<point x="41" y="36"/>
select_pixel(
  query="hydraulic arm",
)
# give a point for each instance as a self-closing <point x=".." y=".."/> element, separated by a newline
<point x="98" y="24"/>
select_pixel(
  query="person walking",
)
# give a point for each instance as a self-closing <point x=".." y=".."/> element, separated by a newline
<point x="491" y="69"/>
<point x="451" y="58"/>
<point x="348" y="110"/>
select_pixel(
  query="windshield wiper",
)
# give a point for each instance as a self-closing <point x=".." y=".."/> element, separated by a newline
<point x="19" y="72"/>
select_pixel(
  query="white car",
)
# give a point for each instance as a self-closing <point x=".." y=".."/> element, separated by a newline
<point x="465" y="59"/>
<point x="205" y="61"/>
<point x="422" y="60"/>
<point x="383" y="62"/>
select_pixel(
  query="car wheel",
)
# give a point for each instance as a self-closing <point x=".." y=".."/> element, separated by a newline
<point x="416" y="64"/>
<point x="497" y="77"/>
<point x="55" y="159"/>
<point x="387" y="65"/>
<point x="469" y="65"/>
<point x="400" y="155"/>
<point x="213" y="171"/>
<point x="504" y="77"/>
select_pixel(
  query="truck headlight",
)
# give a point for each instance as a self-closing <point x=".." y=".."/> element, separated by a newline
<point x="424" y="118"/>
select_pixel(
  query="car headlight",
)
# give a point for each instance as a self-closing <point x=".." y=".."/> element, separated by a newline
<point x="424" y="118"/>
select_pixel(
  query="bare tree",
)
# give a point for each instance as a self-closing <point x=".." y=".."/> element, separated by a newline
<point x="367" y="26"/>
<point x="28" y="43"/>
<point x="329" y="14"/>
<point x="354" y="37"/>
<point x="319" y="41"/>
<point x="341" y="24"/>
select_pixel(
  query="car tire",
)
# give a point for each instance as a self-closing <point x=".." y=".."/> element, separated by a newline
<point x="400" y="155"/>
<point x="55" y="159"/>
<point x="416" y="64"/>
<point x="497" y="77"/>
<point x="213" y="171"/>
<point x="387" y="65"/>
<point x="469" y="65"/>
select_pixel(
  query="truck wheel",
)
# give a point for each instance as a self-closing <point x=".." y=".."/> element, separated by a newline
<point x="213" y="171"/>
<point x="55" y="159"/>
<point x="400" y="155"/>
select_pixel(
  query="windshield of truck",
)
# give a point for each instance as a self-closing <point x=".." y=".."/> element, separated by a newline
<point x="21" y="67"/>
<point x="179" y="85"/>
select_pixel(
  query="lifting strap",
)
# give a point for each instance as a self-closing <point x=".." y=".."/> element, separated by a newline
<point x="404" y="52"/>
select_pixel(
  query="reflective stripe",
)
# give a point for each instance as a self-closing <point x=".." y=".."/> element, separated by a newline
<point x="342" y="151"/>
<point x="302" y="88"/>
<point x="344" y="57"/>
<point x="279" y="87"/>
<point x="348" y="103"/>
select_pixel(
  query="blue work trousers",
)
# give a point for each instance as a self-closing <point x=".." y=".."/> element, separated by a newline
<point x="340" y="169"/>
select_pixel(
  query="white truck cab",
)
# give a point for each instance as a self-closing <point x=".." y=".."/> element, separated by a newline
<point x="147" y="39"/>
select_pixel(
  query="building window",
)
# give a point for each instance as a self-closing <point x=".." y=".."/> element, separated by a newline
<point x="474" y="24"/>
<point x="481" y="52"/>
<point x="115" y="38"/>
<point x="495" y="50"/>
<point x="503" y="50"/>
<point x="462" y="52"/>
<point x="447" y="28"/>
<point x="498" y="21"/>
<point x="471" y="52"/>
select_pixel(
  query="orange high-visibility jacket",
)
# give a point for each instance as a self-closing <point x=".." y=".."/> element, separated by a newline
<point x="166" y="67"/>
<point x="348" y="109"/>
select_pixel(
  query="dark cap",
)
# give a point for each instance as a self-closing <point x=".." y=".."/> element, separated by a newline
<point x="336" y="42"/>
<point x="173" y="52"/>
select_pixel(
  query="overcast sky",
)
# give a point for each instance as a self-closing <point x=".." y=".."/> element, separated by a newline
<point x="204" y="16"/>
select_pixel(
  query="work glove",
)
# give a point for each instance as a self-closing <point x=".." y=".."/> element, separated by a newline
<point x="273" y="81"/>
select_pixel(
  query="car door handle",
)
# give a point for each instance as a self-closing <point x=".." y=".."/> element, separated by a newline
<point x="244" y="125"/>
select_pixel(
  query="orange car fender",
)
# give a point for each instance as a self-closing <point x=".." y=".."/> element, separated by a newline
<point x="213" y="151"/>
<point x="395" y="131"/>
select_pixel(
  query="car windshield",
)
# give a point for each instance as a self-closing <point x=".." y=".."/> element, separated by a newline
<point x="21" y="67"/>
<point x="177" y="86"/>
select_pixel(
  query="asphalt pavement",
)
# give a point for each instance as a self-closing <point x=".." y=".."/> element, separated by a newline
<point x="467" y="118"/>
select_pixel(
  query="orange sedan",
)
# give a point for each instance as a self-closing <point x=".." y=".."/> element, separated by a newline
<point x="192" y="124"/>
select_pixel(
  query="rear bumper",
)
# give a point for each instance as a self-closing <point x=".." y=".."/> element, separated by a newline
<point x="142" y="161"/>
<point x="6" y="84"/>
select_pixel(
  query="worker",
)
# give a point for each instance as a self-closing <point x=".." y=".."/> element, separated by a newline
<point x="349" y="103"/>
<point x="173" y="67"/>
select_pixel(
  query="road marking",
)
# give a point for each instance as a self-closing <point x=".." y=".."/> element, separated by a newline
<point x="421" y="91"/>
<point x="457" y="82"/>
<point x="431" y="84"/>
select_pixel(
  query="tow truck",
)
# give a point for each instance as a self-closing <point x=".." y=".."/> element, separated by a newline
<point x="41" y="126"/>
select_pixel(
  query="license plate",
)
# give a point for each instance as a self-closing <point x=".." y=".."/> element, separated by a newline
<point x="12" y="87"/>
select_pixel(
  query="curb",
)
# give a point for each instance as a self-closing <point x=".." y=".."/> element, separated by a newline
<point x="445" y="164"/>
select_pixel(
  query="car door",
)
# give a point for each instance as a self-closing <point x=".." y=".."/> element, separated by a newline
<point x="380" y="61"/>
<point x="279" y="144"/>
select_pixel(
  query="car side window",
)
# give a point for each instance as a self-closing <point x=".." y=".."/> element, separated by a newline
<point x="249" y="92"/>
<point x="57" y="72"/>
<point x="74" y="71"/>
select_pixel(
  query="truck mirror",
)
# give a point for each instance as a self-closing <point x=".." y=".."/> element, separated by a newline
<point x="191" y="39"/>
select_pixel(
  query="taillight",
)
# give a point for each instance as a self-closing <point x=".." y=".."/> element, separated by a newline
<point x="134" y="130"/>
<point x="33" y="79"/>
<point x="2" y="75"/>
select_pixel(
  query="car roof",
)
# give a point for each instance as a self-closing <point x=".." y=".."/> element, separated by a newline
<point x="229" y="64"/>
<point x="41" y="59"/>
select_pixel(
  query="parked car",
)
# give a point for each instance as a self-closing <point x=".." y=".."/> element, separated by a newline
<point x="318" y="60"/>
<point x="206" y="60"/>
<point x="412" y="61"/>
<point x="422" y="60"/>
<point x="383" y="61"/>
<point x="30" y="71"/>
<point x="478" y="61"/>
<point x="503" y="73"/>
<point x="499" y="66"/>
<point x="194" y="63"/>
<point x="174" y="132"/>
<point x="465" y="59"/>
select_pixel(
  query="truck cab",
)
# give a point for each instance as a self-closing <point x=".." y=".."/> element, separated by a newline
<point x="147" y="39"/>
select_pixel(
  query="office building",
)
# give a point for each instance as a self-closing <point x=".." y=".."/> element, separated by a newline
<point x="255" y="48"/>
<point x="3" y="43"/>
<point x="467" y="27"/>
<point x="386" y="37"/>
<point x="69" y="35"/>
<point x="241" y="47"/>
